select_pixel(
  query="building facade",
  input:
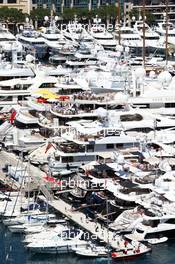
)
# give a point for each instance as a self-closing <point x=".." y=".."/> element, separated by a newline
<point x="61" y="4"/>
<point x="156" y="7"/>
<point x="23" y="5"/>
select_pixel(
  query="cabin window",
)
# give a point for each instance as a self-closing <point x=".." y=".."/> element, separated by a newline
<point x="171" y="221"/>
<point x="67" y="159"/>
<point x="3" y="98"/>
<point x="119" y="145"/>
<point x="11" y="1"/>
<point x="90" y="148"/>
<point x="169" y="105"/>
<point x="46" y="85"/>
<point x="110" y="146"/>
<point x="20" y="98"/>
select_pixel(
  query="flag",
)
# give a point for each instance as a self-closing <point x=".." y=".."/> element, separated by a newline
<point x="49" y="145"/>
<point x="12" y="117"/>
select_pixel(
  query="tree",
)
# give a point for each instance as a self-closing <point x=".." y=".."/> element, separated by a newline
<point x="103" y="12"/>
<point x="150" y="18"/>
<point x="84" y="13"/>
<point x="107" y="12"/>
<point x="69" y="13"/>
<point x="134" y="13"/>
<point x="38" y="14"/>
<point x="12" y="15"/>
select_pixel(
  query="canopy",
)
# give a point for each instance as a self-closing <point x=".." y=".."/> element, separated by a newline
<point x="102" y="167"/>
<point x="152" y="160"/>
<point x="128" y="184"/>
<point x="105" y="155"/>
<point x="90" y="165"/>
<point x="48" y="95"/>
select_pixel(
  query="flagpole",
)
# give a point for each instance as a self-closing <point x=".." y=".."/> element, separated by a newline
<point x="143" y="50"/>
<point x="166" y="36"/>
<point x="118" y="16"/>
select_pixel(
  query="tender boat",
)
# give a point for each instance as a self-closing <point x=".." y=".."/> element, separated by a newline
<point x="92" y="251"/>
<point x="155" y="241"/>
<point x="129" y="254"/>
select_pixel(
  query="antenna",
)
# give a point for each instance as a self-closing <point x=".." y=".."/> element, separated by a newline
<point x="118" y="15"/>
<point x="166" y="38"/>
<point x="144" y="18"/>
<point x="107" y="222"/>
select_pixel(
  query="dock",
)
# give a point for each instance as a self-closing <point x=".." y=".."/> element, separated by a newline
<point x="4" y="178"/>
<point x="95" y="230"/>
<point x="37" y="176"/>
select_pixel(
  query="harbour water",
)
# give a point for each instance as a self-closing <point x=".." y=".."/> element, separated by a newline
<point x="12" y="251"/>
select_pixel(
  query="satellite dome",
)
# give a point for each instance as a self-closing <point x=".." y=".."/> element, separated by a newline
<point x="101" y="112"/>
<point x="30" y="58"/>
<point x="164" y="77"/>
<point x="140" y="73"/>
<point x="152" y="74"/>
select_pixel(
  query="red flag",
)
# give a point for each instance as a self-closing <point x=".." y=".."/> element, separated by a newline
<point x="12" y="117"/>
<point x="49" y="145"/>
<point x="50" y="179"/>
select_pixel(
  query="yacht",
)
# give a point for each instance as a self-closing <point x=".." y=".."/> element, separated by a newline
<point x="153" y="93"/>
<point x="152" y="39"/>
<point x="154" y="227"/>
<point x="74" y="31"/>
<point x="8" y="41"/>
<point x="64" y="53"/>
<point x="59" y="244"/>
<point x="83" y="57"/>
<point x="103" y="139"/>
<point x="161" y="30"/>
<point x="107" y="76"/>
<point x="92" y="251"/>
<point x="130" y="38"/>
<point x="31" y="226"/>
<point x="47" y="232"/>
<point x="103" y="37"/>
<point x="54" y="38"/>
<point x="32" y="40"/>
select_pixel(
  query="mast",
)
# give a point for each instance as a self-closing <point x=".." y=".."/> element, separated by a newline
<point x="107" y="222"/>
<point x="118" y="16"/>
<point x="166" y="34"/>
<point x="143" y="50"/>
<point x="11" y="187"/>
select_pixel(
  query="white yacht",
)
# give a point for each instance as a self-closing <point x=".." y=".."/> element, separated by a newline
<point x="161" y="30"/>
<point x="154" y="227"/>
<point x="59" y="244"/>
<point x="152" y="39"/>
<point x="130" y="37"/>
<point x="103" y="37"/>
<point x="32" y="40"/>
<point x="8" y="41"/>
<point x="74" y="31"/>
<point x="82" y="57"/>
<point x="47" y="232"/>
<point x="32" y="226"/>
<point x="85" y="141"/>
<point x="53" y="37"/>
